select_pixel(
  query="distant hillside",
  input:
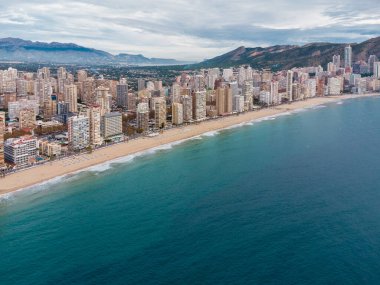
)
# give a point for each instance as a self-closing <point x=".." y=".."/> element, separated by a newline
<point x="288" y="56"/>
<point x="12" y="49"/>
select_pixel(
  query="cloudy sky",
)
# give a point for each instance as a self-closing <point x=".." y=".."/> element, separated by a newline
<point x="188" y="30"/>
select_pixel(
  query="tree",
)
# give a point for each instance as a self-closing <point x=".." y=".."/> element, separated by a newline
<point x="16" y="134"/>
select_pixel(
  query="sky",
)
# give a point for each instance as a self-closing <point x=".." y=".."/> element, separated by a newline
<point x="188" y="30"/>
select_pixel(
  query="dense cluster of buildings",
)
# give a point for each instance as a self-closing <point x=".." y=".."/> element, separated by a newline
<point x="93" y="110"/>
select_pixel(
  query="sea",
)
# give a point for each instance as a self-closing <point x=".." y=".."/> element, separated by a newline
<point x="289" y="199"/>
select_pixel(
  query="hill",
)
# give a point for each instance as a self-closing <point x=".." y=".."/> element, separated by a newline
<point x="289" y="56"/>
<point x="19" y="50"/>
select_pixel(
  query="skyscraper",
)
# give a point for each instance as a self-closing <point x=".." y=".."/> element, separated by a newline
<point x="143" y="117"/>
<point x="247" y="92"/>
<point x="122" y="93"/>
<point x="27" y="119"/>
<point x="187" y="103"/>
<point x="199" y="105"/>
<point x="177" y="114"/>
<point x="223" y="100"/>
<point x="160" y="112"/>
<point x="371" y="62"/>
<point x="103" y="99"/>
<point x="94" y="114"/>
<point x="336" y="61"/>
<point x="140" y="84"/>
<point x="348" y="56"/>
<point x="79" y="132"/>
<point x="289" y="85"/>
<point x="376" y="69"/>
<point x="112" y="126"/>
<point x="2" y="131"/>
<point x="71" y="97"/>
<point x="274" y="93"/>
<point x="176" y="93"/>
<point x="82" y="75"/>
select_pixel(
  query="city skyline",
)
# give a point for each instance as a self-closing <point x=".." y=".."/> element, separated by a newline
<point x="194" y="32"/>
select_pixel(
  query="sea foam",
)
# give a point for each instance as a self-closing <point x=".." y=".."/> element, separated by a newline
<point x="106" y="166"/>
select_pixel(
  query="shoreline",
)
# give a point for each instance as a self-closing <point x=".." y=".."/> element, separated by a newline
<point x="58" y="169"/>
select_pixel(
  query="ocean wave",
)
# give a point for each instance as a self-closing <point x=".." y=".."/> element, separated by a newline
<point x="339" y="103"/>
<point x="106" y="166"/>
<point x="301" y="110"/>
<point x="318" y="107"/>
<point x="39" y="187"/>
<point x="210" y="134"/>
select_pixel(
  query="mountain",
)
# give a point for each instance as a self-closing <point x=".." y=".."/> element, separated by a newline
<point x="289" y="56"/>
<point x="13" y="49"/>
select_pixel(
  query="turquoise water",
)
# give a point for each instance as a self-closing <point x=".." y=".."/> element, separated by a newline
<point x="295" y="200"/>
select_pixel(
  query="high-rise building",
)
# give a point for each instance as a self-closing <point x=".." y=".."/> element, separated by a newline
<point x="132" y="102"/>
<point x="199" y="105"/>
<point x="289" y="85"/>
<point x="160" y="112"/>
<point x="143" y="117"/>
<point x="336" y="61"/>
<point x="239" y="103"/>
<point x="2" y="132"/>
<point x="15" y="107"/>
<point x="79" y="132"/>
<point x="334" y="86"/>
<point x="21" y="87"/>
<point x="220" y="101"/>
<point x="71" y="97"/>
<point x="331" y="67"/>
<point x="371" y="62"/>
<point x="227" y="74"/>
<point x="175" y="93"/>
<point x="311" y="88"/>
<point x="177" y="114"/>
<point x="276" y="98"/>
<point x="81" y="75"/>
<point x="89" y="86"/>
<point x="27" y="119"/>
<point x="348" y="56"/>
<point x="223" y="98"/>
<point x="62" y="108"/>
<point x="61" y="79"/>
<point x="228" y="99"/>
<point x="112" y="126"/>
<point x="94" y="115"/>
<point x="43" y="73"/>
<point x="376" y="69"/>
<point x="42" y="90"/>
<point x="122" y="93"/>
<point x="104" y="100"/>
<point x="247" y="92"/>
<point x="265" y="97"/>
<point x="49" y="108"/>
<point x="187" y="103"/>
<point x="140" y="84"/>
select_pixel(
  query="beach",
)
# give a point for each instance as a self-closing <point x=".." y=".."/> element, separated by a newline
<point x="55" y="169"/>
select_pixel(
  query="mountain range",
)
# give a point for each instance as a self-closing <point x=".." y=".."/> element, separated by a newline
<point x="289" y="56"/>
<point x="19" y="50"/>
<point x="274" y="57"/>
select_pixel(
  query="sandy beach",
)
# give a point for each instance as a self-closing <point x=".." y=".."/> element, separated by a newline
<point x="59" y="168"/>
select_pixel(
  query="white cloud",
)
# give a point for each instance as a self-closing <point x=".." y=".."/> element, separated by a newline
<point x="188" y="29"/>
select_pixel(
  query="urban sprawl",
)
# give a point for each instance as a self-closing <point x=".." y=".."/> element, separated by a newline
<point x="46" y="117"/>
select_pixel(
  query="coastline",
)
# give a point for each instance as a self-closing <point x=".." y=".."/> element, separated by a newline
<point x="57" y="169"/>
